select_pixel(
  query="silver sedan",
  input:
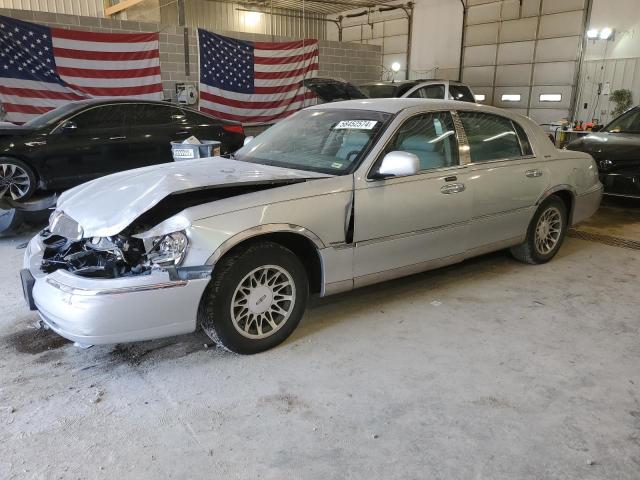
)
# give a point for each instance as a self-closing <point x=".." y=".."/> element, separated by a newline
<point x="335" y="197"/>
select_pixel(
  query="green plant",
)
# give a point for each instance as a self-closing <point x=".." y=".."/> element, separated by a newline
<point x="623" y="100"/>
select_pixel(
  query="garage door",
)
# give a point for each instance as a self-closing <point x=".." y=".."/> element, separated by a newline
<point x="523" y="55"/>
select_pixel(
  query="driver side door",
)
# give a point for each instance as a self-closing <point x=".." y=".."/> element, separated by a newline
<point x="404" y="225"/>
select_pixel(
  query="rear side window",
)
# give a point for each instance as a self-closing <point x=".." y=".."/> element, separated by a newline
<point x="491" y="137"/>
<point x="430" y="91"/>
<point x="150" y="114"/>
<point x="461" y="93"/>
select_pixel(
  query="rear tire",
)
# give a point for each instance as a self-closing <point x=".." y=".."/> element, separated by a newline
<point x="17" y="180"/>
<point x="255" y="299"/>
<point x="545" y="234"/>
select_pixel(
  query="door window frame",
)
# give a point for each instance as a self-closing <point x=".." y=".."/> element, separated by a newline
<point x="514" y="123"/>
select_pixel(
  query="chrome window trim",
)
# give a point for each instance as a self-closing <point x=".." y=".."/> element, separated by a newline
<point x="368" y="178"/>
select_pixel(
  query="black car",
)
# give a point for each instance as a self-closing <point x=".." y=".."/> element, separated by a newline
<point x="616" y="150"/>
<point x="87" y="139"/>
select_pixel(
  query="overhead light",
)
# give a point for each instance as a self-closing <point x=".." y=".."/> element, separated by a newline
<point x="395" y="66"/>
<point x="605" y="33"/>
<point x="510" y="97"/>
<point x="593" y="33"/>
<point x="252" y="18"/>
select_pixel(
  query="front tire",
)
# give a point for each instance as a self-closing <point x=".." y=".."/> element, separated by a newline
<point x="255" y="299"/>
<point x="545" y="234"/>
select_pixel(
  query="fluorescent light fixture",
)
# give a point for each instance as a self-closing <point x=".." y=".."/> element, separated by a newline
<point x="252" y="18"/>
<point x="550" y="97"/>
<point x="511" y="97"/>
<point x="605" y="33"/>
<point x="592" y="33"/>
<point x="442" y="137"/>
<point x="395" y="66"/>
<point x="500" y="135"/>
<point x="480" y="97"/>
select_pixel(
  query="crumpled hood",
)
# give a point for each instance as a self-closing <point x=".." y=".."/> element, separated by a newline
<point x="107" y="205"/>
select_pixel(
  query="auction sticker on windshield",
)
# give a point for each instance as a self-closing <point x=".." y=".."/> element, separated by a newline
<point x="355" y="124"/>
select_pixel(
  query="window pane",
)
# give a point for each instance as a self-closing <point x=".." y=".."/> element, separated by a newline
<point x="431" y="137"/>
<point x="108" y="116"/>
<point x="459" y="92"/>
<point x="432" y="91"/>
<point x="490" y="137"/>
<point x="149" y="114"/>
<point x="627" y="123"/>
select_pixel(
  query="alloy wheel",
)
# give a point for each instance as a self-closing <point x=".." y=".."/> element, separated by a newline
<point x="14" y="181"/>
<point x="548" y="230"/>
<point x="263" y="301"/>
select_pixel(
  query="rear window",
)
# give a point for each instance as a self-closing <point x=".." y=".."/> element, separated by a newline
<point x="461" y="93"/>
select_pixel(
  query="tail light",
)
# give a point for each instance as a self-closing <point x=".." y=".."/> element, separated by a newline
<point x="233" y="129"/>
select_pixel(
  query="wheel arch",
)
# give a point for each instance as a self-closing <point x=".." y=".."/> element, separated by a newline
<point x="567" y="194"/>
<point x="305" y="244"/>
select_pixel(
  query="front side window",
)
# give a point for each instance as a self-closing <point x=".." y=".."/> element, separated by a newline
<point x="102" y="117"/>
<point x="430" y="91"/>
<point x="326" y="141"/>
<point x="627" y="123"/>
<point x="490" y="137"/>
<point x="429" y="136"/>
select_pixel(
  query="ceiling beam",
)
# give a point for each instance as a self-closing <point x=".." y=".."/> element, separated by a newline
<point x="120" y="6"/>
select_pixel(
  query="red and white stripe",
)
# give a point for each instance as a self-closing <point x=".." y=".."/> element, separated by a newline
<point x="279" y="69"/>
<point x="92" y="65"/>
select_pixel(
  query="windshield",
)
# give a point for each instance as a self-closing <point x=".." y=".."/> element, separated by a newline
<point x="379" y="91"/>
<point x="325" y="141"/>
<point x="52" y="116"/>
<point x="626" y="123"/>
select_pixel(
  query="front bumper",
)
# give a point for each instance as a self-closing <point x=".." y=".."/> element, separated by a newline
<point x="621" y="184"/>
<point x="102" y="311"/>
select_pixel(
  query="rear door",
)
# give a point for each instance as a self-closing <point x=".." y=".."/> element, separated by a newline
<point x="152" y="130"/>
<point x="506" y="178"/>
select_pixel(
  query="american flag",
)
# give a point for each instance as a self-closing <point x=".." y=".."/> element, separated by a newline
<point x="254" y="82"/>
<point x="42" y="68"/>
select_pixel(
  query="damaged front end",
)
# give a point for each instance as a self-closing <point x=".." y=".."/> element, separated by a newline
<point x="111" y="257"/>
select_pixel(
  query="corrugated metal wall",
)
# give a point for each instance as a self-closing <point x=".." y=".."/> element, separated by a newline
<point x="613" y="74"/>
<point x="87" y="8"/>
<point x="227" y="17"/>
<point x="524" y="55"/>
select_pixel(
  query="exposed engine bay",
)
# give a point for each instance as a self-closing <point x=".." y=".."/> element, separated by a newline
<point x="125" y="255"/>
<point x="109" y="257"/>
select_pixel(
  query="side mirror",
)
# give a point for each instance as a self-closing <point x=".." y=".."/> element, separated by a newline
<point x="247" y="140"/>
<point x="69" y="126"/>
<point x="398" y="164"/>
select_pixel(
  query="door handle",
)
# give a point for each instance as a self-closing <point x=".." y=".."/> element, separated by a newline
<point x="452" y="188"/>
<point x="533" y="173"/>
<point x="118" y="138"/>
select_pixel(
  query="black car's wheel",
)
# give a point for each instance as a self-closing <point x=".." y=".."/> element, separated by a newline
<point x="255" y="299"/>
<point x="10" y="221"/>
<point x="17" y="180"/>
<point x="545" y="234"/>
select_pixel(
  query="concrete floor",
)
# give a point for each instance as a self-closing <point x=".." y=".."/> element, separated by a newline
<point x="490" y="370"/>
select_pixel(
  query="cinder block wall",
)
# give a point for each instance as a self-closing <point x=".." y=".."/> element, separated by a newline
<point x="347" y="61"/>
